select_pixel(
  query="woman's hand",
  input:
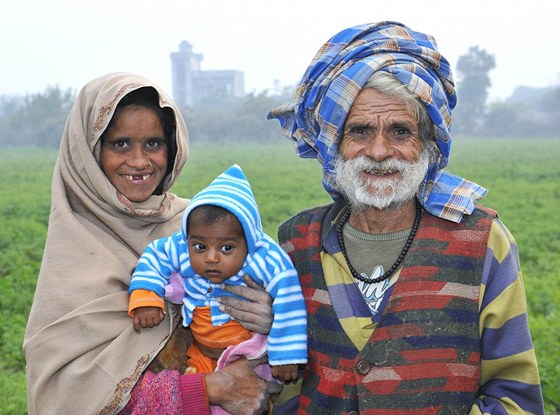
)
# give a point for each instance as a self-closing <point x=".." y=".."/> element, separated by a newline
<point x="237" y="389"/>
<point x="255" y="314"/>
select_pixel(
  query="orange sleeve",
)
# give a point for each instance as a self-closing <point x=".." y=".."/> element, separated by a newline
<point x="144" y="298"/>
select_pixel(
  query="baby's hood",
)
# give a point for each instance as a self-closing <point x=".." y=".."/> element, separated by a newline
<point x="231" y="190"/>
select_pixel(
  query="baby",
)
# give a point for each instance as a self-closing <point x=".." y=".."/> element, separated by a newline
<point x="220" y="241"/>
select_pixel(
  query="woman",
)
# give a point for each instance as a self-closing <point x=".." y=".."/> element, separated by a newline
<point x="123" y="147"/>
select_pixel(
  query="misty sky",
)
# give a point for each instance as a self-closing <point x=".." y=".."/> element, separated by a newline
<point x="69" y="42"/>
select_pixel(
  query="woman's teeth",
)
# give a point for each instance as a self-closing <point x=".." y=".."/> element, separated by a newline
<point x="137" y="177"/>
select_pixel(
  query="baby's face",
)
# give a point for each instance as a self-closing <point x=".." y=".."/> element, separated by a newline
<point x="217" y="251"/>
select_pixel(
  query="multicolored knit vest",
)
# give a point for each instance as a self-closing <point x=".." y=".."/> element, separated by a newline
<point x="424" y="355"/>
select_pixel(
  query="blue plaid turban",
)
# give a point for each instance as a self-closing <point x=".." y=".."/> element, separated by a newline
<point x="335" y="77"/>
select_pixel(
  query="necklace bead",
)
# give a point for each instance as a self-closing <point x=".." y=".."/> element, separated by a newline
<point x="400" y="258"/>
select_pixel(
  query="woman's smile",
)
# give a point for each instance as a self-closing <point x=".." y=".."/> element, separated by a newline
<point x="134" y="152"/>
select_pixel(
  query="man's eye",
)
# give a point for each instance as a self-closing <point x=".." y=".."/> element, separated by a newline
<point x="358" y="130"/>
<point x="400" y="132"/>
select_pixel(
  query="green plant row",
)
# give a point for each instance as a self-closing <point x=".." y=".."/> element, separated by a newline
<point x="522" y="176"/>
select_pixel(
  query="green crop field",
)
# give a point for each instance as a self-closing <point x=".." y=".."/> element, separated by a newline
<point x="523" y="177"/>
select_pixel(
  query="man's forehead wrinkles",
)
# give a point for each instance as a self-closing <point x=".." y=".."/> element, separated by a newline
<point x="392" y="118"/>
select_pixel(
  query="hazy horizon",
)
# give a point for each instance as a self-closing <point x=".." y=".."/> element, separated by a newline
<point x="68" y="43"/>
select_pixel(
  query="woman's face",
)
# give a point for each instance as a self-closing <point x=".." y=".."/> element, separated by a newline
<point x="134" y="152"/>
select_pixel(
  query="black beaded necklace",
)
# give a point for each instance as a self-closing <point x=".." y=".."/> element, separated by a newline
<point x="397" y="263"/>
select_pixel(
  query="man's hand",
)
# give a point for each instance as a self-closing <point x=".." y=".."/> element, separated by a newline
<point x="238" y="389"/>
<point x="255" y="314"/>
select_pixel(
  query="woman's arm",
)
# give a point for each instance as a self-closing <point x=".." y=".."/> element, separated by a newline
<point x="235" y="388"/>
<point x="156" y="392"/>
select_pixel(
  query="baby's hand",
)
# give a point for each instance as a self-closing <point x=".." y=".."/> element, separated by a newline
<point x="147" y="317"/>
<point x="286" y="373"/>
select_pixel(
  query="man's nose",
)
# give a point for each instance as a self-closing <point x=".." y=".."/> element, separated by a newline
<point x="379" y="148"/>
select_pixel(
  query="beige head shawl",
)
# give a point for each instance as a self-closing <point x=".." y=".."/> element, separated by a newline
<point x="83" y="356"/>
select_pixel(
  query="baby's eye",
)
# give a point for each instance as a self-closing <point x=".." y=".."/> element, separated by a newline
<point x="227" y="249"/>
<point x="199" y="246"/>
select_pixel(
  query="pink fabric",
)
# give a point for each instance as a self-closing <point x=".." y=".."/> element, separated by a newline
<point x="175" y="290"/>
<point x="193" y="394"/>
<point x="156" y="394"/>
<point x="192" y="386"/>
<point x="252" y="349"/>
<point x="169" y="393"/>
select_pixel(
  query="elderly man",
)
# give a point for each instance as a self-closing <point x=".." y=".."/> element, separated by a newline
<point x="414" y="293"/>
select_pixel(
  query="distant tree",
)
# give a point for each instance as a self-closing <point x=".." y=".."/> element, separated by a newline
<point x="473" y="85"/>
<point x="529" y="112"/>
<point x="250" y="118"/>
<point x="233" y="119"/>
<point x="527" y="94"/>
<point x="10" y="108"/>
<point x="37" y="120"/>
<point x="548" y="108"/>
<point x="550" y="100"/>
<point x="10" y="104"/>
<point x="502" y="120"/>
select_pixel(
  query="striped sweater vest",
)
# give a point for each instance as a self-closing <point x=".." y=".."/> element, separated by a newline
<point x="424" y="355"/>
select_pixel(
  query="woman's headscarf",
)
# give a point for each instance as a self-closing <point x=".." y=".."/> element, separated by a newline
<point x="337" y="74"/>
<point x="83" y="356"/>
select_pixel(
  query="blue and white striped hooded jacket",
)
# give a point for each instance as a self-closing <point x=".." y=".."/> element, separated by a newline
<point x="266" y="263"/>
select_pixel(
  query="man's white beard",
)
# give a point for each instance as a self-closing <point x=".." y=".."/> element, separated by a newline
<point x="363" y="193"/>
